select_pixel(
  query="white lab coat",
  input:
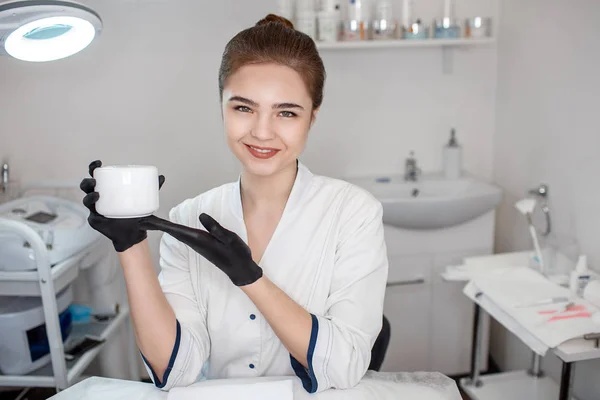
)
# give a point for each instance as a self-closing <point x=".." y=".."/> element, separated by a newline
<point x="328" y="254"/>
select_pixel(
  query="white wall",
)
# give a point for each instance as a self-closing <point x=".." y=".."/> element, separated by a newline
<point x="146" y="92"/>
<point x="547" y="131"/>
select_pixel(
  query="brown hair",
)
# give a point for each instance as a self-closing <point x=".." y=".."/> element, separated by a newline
<point x="274" y="40"/>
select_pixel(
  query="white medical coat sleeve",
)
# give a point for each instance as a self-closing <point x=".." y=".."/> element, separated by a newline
<point x="192" y="343"/>
<point x="340" y="344"/>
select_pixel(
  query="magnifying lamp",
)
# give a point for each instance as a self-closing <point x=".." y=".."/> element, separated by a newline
<point x="39" y="31"/>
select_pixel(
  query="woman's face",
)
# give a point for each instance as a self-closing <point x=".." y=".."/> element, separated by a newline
<point x="267" y="113"/>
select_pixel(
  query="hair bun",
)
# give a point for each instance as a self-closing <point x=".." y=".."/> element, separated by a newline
<point x="276" y="19"/>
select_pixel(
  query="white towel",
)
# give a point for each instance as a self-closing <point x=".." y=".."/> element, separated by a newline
<point x="235" y="389"/>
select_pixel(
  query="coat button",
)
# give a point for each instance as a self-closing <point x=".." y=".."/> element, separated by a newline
<point x="252" y="317"/>
<point x="251" y="366"/>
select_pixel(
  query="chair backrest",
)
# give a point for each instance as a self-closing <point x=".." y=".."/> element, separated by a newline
<point x="380" y="346"/>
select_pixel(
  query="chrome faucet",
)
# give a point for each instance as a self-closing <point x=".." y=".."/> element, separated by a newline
<point x="411" y="170"/>
<point x="4" y="183"/>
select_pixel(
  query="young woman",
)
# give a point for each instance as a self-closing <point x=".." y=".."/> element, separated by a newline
<point x="291" y="278"/>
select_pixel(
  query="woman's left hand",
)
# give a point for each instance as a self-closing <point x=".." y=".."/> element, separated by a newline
<point x="225" y="249"/>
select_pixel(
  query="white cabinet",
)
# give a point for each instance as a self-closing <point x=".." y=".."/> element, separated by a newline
<point x="407" y="306"/>
<point x="431" y="320"/>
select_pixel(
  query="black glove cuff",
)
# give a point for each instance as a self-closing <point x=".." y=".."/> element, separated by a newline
<point x="121" y="247"/>
<point x="251" y="275"/>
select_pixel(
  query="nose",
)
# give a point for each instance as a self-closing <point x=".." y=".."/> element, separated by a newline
<point x="263" y="128"/>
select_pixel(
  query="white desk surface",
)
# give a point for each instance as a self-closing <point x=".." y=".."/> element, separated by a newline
<point x="569" y="351"/>
<point x="375" y="385"/>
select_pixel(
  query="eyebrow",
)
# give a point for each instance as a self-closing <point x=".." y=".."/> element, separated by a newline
<point x="255" y="104"/>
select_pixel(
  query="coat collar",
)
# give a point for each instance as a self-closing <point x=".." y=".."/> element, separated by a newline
<point x="301" y="183"/>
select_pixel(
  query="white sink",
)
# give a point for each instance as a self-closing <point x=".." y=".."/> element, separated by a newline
<point x="432" y="202"/>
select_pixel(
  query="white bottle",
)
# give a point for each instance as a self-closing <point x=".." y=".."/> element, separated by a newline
<point x="357" y="24"/>
<point x="306" y="17"/>
<point x="452" y="158"/>
<point x="579" y="271"/>
<point x="384" y="24"/>
<point x="306" y="22"/>
<point x="328" y="24"/>
<point x="329" y="19"/>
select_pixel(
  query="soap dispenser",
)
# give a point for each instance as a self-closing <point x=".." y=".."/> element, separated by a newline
<point x="452" y="157"/>
<point x="577" y="276"/>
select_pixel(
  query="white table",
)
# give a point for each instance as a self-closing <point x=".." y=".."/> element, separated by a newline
<point x="375" y="385"/>
<point x="514" y="385"/>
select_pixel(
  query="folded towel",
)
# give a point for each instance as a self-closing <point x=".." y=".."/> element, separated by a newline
<point x="238" y="389"/>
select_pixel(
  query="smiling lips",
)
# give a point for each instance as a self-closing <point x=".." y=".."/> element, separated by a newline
<point x="262" y="152"/>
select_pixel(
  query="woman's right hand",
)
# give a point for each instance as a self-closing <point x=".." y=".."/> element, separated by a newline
<point x="123" y="232"/>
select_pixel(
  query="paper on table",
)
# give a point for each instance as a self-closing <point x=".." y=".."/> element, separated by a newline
<point x="508" y="322"/>
<point x="551" y="324"/>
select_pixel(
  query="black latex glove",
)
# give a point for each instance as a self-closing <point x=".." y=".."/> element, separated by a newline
<point x="123" y="232"/>
<point x="226" y="250"/>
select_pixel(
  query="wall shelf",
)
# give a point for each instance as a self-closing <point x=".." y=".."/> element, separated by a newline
<point x="382" y="44"/>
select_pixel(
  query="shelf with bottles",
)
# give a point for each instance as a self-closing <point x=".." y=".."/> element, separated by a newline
<point x="447" y="32"/>
<point x="372" y="24"/>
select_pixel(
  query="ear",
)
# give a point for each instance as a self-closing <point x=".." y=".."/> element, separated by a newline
<point x="313" y="117"/>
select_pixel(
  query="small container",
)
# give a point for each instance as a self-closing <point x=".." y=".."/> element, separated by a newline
<point x="385" y="27"/>
<point x="127" y="191"/>
<point x="560" y="253"/>
<point x="359" y="10"/>
<point x="328" y="25"/>
<point x="306" y="22"/>
<point x="417" y="30"/>
<point x="579" y="276"/>
<point x="478" y="27"/>
<point x="446" y="28"/>
<point x="452" y="158"/>
<point x="357" y="26"/>
<point x="354" y="30"/>
<point x="330" y="5"/>
<point x="582" y="283"/>
<point x="80" y="314"/>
